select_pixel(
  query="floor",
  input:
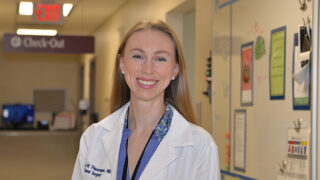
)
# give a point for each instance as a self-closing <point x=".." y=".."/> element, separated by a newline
<point x="38" y="155"/>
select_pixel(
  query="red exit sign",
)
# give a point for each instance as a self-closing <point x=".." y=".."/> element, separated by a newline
<point x="47" y="13"/>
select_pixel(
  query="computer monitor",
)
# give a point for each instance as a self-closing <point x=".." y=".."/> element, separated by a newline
<point x="18" y="114"/>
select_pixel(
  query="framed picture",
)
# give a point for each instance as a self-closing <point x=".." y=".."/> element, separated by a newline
<point x="240" y="119"/>
<point x="247" y="74"/>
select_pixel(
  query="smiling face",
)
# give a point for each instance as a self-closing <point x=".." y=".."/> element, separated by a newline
<point x="148" y="64"/>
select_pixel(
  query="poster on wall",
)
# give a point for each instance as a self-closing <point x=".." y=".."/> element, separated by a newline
<point x="240" y="118"/>
<point x="301" y="77"/>
<point x="277" y="63"/>
<point x="247" y="74"/>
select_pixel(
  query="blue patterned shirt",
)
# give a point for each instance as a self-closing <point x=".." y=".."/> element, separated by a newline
<point x="158" y="134"/>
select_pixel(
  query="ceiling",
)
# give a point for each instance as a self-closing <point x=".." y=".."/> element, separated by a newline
<point x="85" y="17"/>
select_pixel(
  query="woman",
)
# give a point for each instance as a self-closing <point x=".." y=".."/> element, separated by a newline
<point x="151" y="133"/>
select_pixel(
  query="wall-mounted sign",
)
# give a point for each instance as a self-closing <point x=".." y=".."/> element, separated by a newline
<point x="48" y="44"/>
<point x="47" y="13"/>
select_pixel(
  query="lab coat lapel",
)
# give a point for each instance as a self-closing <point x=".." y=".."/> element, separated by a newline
<point x="111" y="143"/>
<point x="112" y="139"/>
<point x="161" y="158"/>
<point x="179" y="135"/>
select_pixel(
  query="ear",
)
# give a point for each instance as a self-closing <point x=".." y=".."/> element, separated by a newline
<point x="175" y="70"/>
<point x="121" y="63"/>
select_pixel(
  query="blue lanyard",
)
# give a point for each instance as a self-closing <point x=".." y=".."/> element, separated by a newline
<point x="125" y="168"/>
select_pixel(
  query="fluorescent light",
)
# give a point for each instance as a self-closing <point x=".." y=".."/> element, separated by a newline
<point x="67" y="8"/>
<point x="37" y="32"/>
<point x="25" y="8"/>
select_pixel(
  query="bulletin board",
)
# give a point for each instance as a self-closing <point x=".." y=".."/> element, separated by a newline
<point x="49" y="100"/>
<point x="267" y="120"/>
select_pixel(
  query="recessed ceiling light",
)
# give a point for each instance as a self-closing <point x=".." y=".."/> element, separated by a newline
<point x="67" y="8"/>
<point x="25" y="8"/>
<point x="37" y="32"/>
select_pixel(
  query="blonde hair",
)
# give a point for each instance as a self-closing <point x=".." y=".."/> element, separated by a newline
<point x="177" y="93"/>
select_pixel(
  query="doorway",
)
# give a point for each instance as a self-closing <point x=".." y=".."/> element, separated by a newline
<point x="92" y="97"/>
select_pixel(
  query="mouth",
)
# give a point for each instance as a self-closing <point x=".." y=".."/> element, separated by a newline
<point x="147" y="83"/>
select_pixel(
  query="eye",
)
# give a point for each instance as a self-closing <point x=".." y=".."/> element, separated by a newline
<point x="161" y="59"/>
<point x="137" y="56"/>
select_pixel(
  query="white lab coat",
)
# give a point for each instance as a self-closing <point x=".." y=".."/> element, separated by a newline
<point x="187" y="152"/>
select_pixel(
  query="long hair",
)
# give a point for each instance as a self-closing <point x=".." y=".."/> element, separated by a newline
<point x="177" y="93"/>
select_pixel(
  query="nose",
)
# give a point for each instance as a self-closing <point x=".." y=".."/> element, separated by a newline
<point x="147" y="66"/>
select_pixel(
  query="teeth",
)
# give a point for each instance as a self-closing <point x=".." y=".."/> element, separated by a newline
<point x="146" y="83"/>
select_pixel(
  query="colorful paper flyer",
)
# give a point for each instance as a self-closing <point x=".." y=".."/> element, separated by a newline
<point x="259" y="47"/>
<point x="298" y="154"/>
<point x="277" y="63"/>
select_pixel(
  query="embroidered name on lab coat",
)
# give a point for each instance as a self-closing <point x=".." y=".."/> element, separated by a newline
<point x="94" y="171"/>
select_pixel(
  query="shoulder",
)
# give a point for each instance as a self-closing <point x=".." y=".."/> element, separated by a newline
<point x="92" y="134"/>
<point x="111" y="122"/>
<point x="196" y="134"/>
<point x="202" y="138"/>
<point x="115" y="119"/>
<point x="195" y="143"/>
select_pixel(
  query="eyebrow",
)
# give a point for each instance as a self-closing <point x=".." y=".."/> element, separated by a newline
<point x="157" y="52"/>
<point x="137" y="49"/>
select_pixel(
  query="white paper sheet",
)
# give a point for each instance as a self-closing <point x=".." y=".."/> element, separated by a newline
<point x="240" y="140"/>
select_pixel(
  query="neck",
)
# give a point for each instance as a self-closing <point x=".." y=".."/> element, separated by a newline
<point x="145" y="115"/>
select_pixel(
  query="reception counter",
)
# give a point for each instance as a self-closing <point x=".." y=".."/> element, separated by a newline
<point x="37" y="155"/>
